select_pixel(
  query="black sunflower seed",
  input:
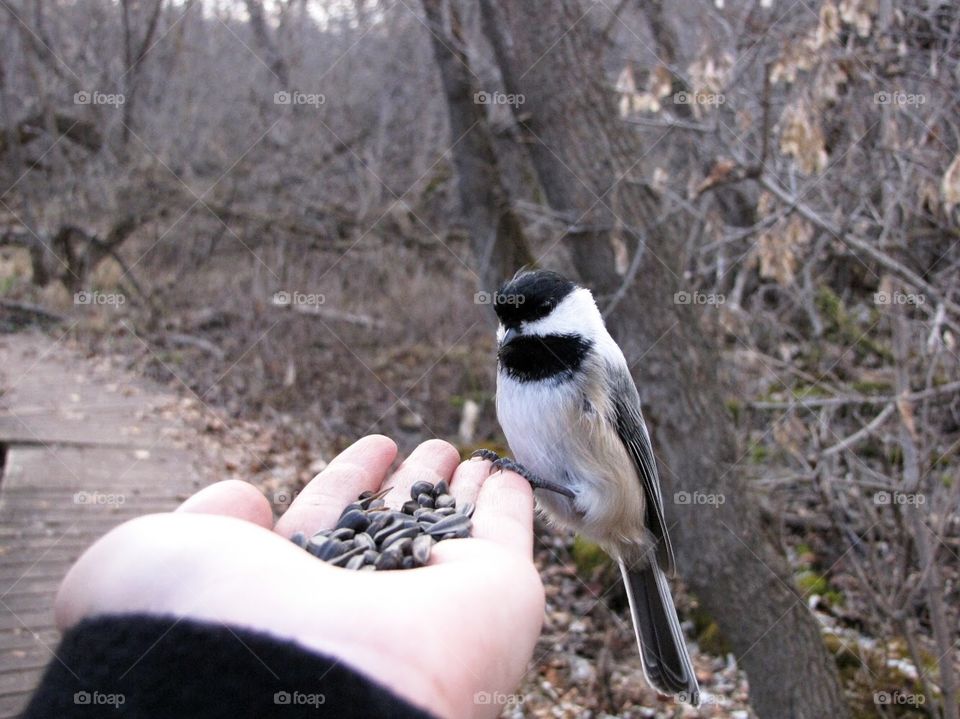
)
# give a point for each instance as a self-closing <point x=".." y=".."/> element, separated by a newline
<point x="355" y="519"/>
<point x="402" y="533"/>
<point x="378" y="522"/>
<point x="328" y="550"/>
<point x="352" y="507"/>
<point x="421" y="547"/>
<point x="371" y="501"/>
<point x="452" y="523"/>
<point x="387" y="530"/>
<point x="351" y="553"/>
<point x="364" y="540"/>
<point x="419" y="488"/>
<point x="401" y="544"/>
<point x="441" y="487"/>
<point x="387" y="561"/>
<point x="444" y="500"/>
<point x="425" y="500"/>
<point x="430" y="517"/>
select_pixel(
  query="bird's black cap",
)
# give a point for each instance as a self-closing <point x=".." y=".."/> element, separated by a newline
<point x="531" y="295"/>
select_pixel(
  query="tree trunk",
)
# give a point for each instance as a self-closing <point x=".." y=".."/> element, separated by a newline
<point x="496" y="234"/>
<point x="588" y="163"/>
<point x="261" y="34"/>
<point x="133" y="57"/>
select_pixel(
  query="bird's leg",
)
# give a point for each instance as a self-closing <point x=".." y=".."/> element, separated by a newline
<point x="537" y="482"/>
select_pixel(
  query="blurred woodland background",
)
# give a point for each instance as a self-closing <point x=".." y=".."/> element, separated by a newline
<point x="293" y="212"/>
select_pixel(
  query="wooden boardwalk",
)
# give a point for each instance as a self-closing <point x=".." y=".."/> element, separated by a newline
<point x="82" y="449"/>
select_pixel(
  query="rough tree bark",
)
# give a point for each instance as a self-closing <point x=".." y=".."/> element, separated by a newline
<point x="589" y="165"/>
<point x="496" y="233"/>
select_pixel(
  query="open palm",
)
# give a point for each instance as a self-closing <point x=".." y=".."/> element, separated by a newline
<point x="447" y="637"/>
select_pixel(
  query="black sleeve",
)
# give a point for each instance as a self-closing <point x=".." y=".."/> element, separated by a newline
<point x="145" y="666"/>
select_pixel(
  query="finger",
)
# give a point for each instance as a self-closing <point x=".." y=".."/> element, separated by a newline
<point x="232" y="498"/>
<point x="467" y="480"/>
<point x="360" y="467"/>
<point x="431" y="461"/>
<point x="505" y="512"/>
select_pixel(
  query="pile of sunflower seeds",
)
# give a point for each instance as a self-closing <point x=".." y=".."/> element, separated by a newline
<point x="371" y="536"/>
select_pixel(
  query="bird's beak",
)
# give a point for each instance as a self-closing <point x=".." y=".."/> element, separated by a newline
<point x="508" y="335"/>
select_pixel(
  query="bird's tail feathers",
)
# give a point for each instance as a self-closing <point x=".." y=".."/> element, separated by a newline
<point x="663" y="651"/>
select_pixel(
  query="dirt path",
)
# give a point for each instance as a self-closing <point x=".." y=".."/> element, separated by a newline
<point x="83" y="447"/>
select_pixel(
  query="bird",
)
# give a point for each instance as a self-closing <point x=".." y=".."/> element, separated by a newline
<point x="571" y="413"/>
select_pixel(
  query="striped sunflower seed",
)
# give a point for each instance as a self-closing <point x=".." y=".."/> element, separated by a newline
<point x="420" y="550"/>
<point x="401" y="544"/>
<point x="401" y="533"/>
<point x="453" y="523"/>
<point x="355" y="562"/>
<point x="444" y="500"/>
<point x="387" y="561"/>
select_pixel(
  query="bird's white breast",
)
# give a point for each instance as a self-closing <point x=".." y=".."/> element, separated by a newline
<point x="561" y="431"/>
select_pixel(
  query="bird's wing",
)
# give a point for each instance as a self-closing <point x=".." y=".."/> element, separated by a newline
<point x="633" y="433"/>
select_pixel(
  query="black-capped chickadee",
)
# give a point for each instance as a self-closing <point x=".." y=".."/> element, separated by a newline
<point x="571" y="414"/>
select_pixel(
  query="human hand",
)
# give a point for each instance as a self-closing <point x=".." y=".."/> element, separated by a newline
<point x="437" y="636"/>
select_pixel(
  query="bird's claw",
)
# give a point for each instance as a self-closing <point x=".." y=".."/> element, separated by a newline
<point x="484" y="453"/>
<point x="537" y="482"/>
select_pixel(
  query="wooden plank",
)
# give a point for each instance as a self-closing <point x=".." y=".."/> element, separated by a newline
<point x="88" y="448"/>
